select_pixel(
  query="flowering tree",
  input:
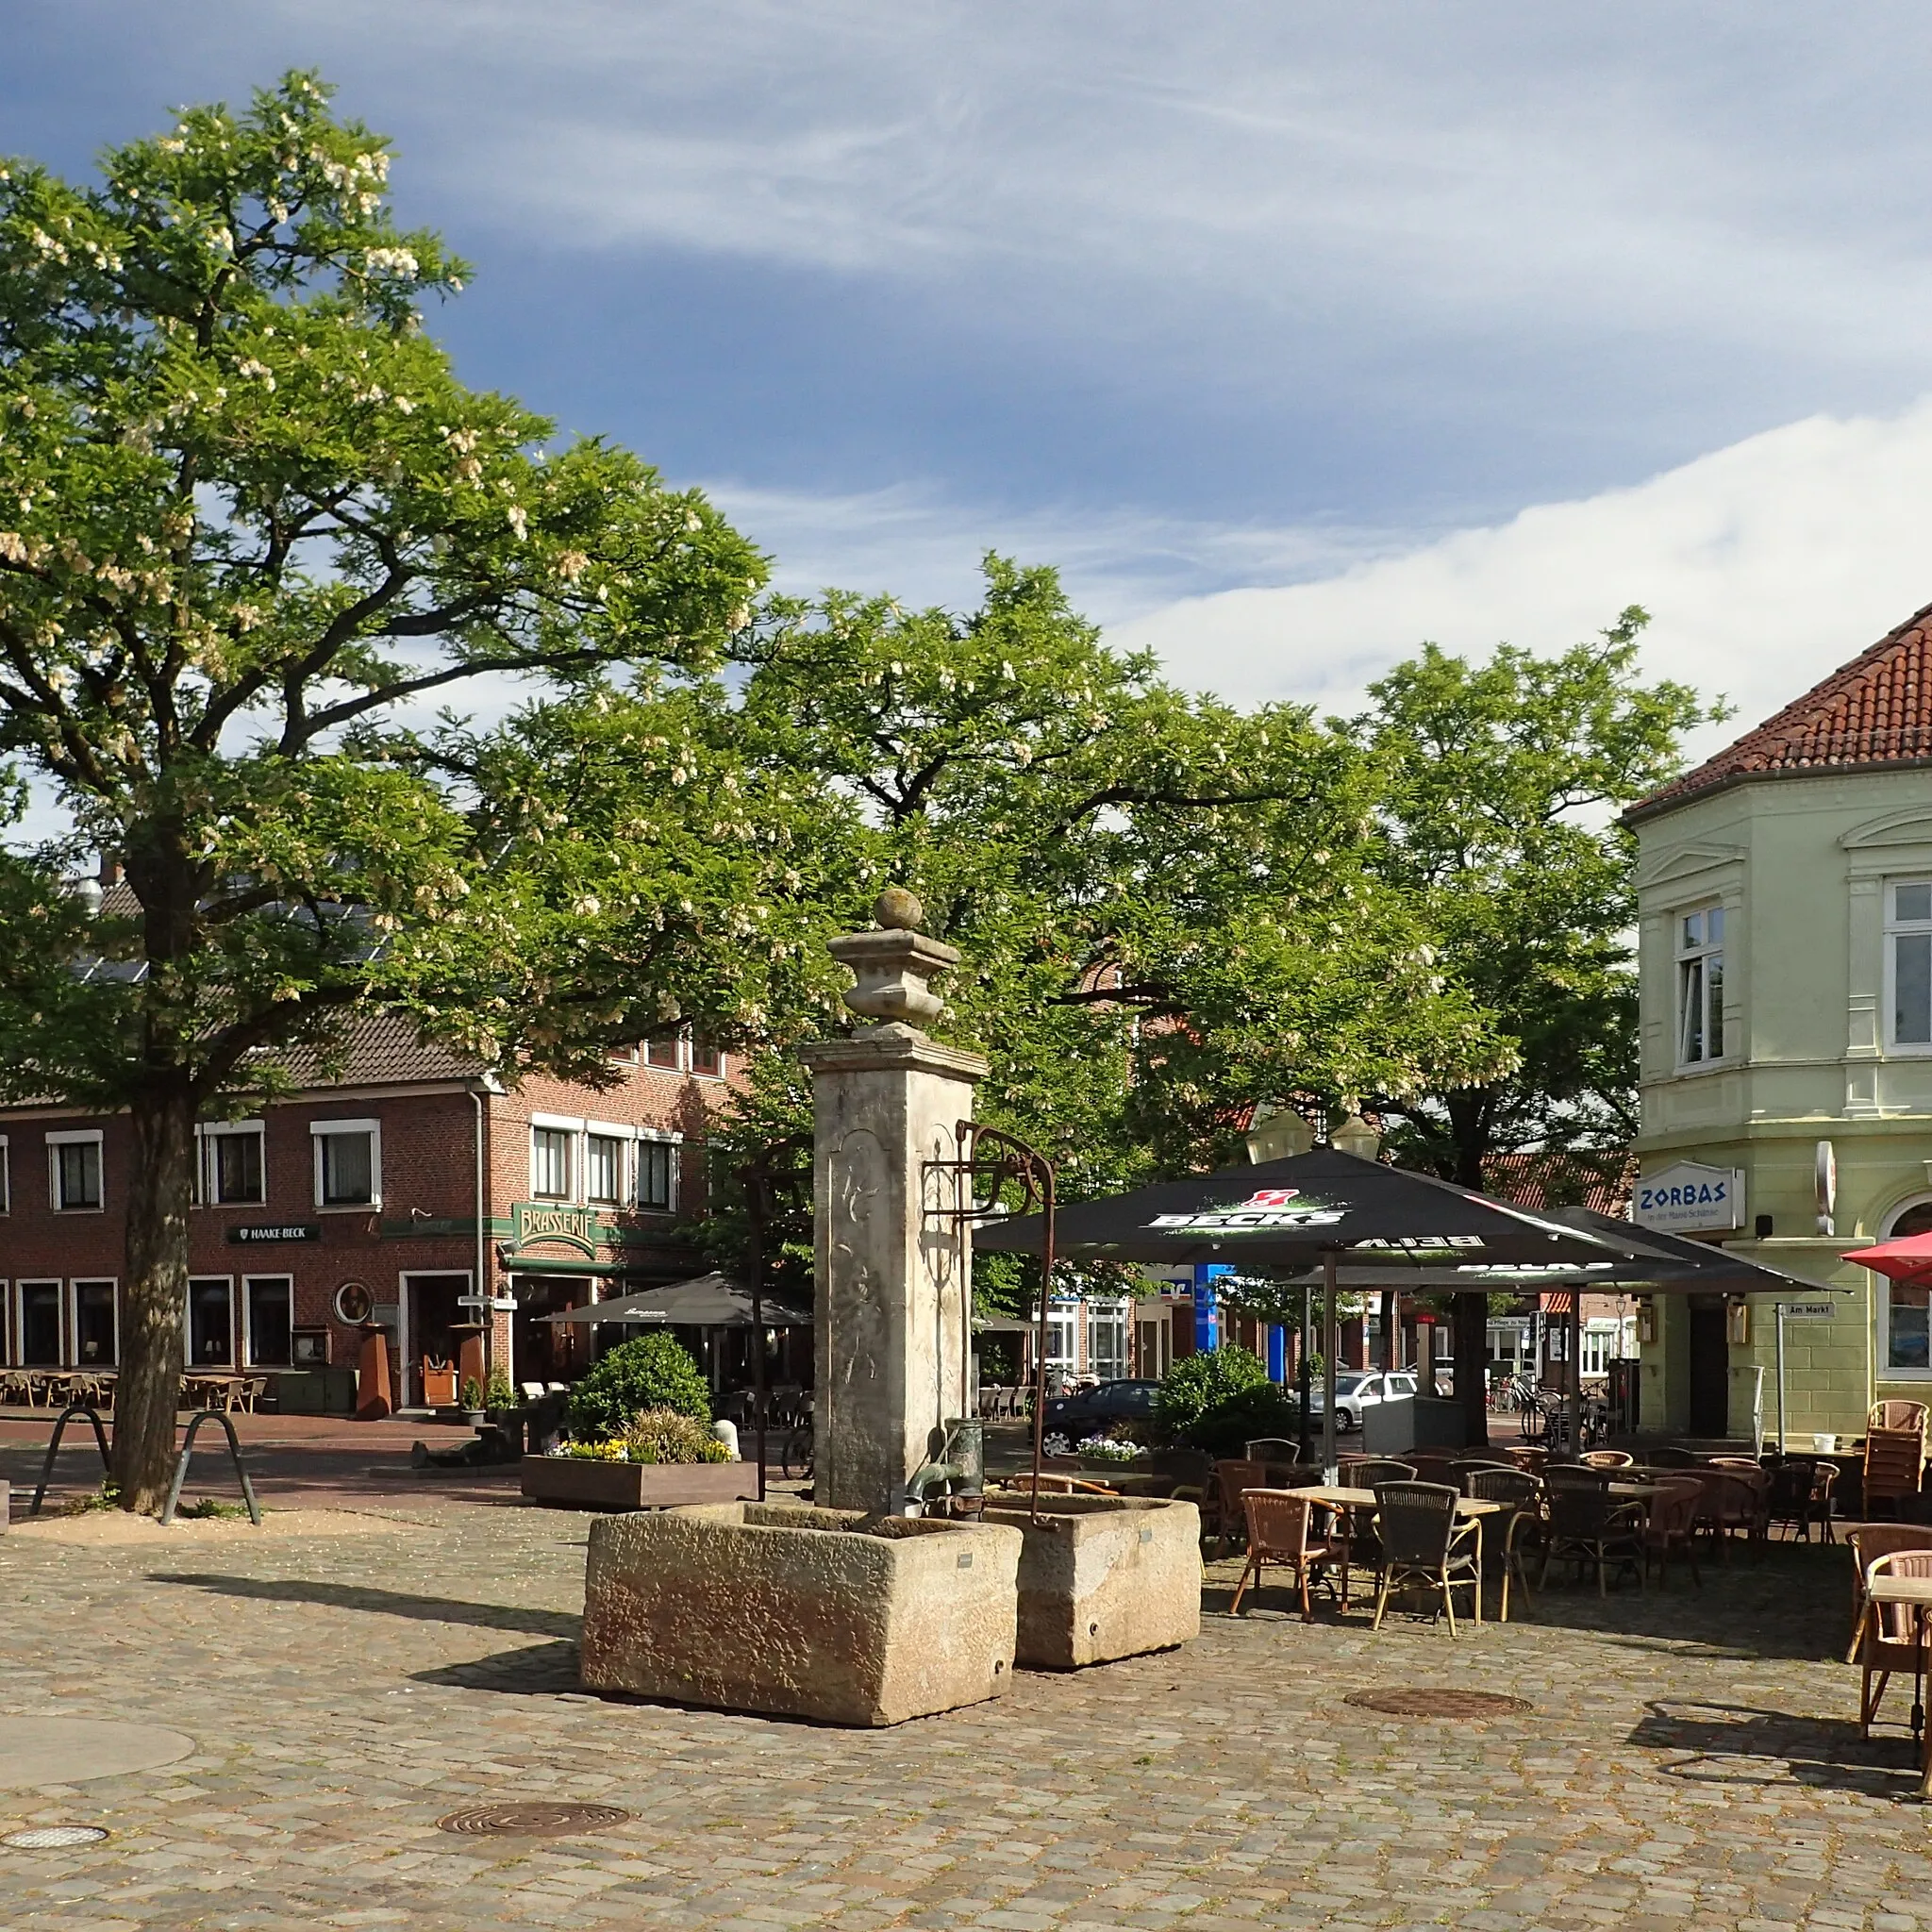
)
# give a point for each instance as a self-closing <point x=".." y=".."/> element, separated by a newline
<point x="251" y="528"/>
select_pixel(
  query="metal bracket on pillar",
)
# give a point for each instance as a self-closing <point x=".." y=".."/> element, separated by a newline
<point x="995" y="1166"/>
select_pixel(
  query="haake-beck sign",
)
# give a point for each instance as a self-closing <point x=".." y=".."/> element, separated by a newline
<point x="1690" y="1198"/>
<point x="250" y="1233"/>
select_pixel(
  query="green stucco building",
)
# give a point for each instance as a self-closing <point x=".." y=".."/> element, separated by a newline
<point x="1785" y="963"/>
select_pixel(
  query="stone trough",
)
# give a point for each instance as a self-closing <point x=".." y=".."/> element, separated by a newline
<point x="1103" y="1578"/>
<point x="801" y="1612"/>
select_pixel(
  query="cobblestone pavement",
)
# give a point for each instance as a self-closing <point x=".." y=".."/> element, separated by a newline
<point x="1688" y="1763"/>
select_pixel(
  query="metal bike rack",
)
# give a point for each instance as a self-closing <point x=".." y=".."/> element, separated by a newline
<point x="67" y="1415"/>
<point x="194" y="1423"/>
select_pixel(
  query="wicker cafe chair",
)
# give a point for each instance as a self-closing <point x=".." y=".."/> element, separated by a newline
<point x="1801" y="1494"/>
<point x="1867" y="1542"/>
<point x="1672" y="1459"/>
<point x="1423" y="1543"/>
<point x="1606" y="1458"/>
<point x="1890" y="1636"/>
<point x="1894" y="1413"/>
<point x="1589" y="1529"/>
<point x="1233" y="1477"/>
<point x="1272" y="1449"/>
<point x="1371" y="1472"/>
<point x="1671" y="1527"/>
<point x="1736" y="1498"/>
<point x="1278" y="1525"/>
<point x="1520" y="1525"/>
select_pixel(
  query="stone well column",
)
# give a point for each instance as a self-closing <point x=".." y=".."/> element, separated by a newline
<point x="894" y="1268"/>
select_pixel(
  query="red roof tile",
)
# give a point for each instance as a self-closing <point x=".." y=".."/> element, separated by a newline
<point x="1876" y="711"/>
<point x="1601" y="1179"/>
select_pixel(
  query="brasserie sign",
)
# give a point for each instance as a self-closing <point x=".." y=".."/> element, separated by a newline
<point x="545" y="1221"/>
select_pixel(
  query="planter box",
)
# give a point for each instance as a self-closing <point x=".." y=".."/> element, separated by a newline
<point x="566" y="1482"/>
<point x="1104" y="1577"/>
<point x="800" y="1612"/>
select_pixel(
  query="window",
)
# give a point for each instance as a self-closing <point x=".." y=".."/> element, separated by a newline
<point x="603" y="1168"/>
<point x="75" y="1160"/>
<point x="1701" y="986"/>
<point x="211" y="1322"/>
<point x="1906" y="1314"/>
<point x="271" y="1330"/>
<point x="96" y="1329"/>
<point x="1060" y="1319"/>
<point x="663" y="1053"/>
<point x="348" y="1163"/>
<point x="550" y="1163"/>
<point x="234" y="1163"/>
<point x="658" y="1175"/>
<point x="1603" y="1343"/>
<point x="707" y="1060"/>
<point x="1106" y="1340"/>
<point x="1908" y="961"/>
<point x="40" y="1324"/>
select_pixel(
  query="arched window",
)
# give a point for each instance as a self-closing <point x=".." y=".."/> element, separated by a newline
<point x="1906" y="1324"/>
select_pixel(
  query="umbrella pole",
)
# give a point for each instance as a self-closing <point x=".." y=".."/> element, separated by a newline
<point x="1576" y="1376"/>
<point x="1302" y="1373"/>
<point x="1039" y="1350"/>
<point x="1331" y="1467"/>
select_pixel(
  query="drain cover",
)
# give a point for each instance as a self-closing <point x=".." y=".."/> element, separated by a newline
<point x="1450" y="1703"/>
<point x="52" y="1837"/>
<point x="532" y="1821"/>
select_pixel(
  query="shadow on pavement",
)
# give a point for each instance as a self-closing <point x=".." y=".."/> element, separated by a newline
<point x="536" y="1670"/>
<point x="1736" y="1745"/>
<point x="388" y="1603"/>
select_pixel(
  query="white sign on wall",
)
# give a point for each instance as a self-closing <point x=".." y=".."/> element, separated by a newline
<point x="1690" y="1198"/>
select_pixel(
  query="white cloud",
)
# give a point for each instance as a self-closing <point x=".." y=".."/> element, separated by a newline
<point x="1764" y="565"/>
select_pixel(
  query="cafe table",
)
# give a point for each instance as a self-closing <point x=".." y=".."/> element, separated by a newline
<point x="1340" y="1496"/>
<point x="1915" y="1593"/>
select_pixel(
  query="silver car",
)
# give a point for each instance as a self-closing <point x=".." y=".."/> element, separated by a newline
<point x="1357" y="1389"/>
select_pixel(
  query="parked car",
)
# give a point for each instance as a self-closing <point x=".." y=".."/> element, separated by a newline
<point x="1355" y="1391"/>
<point x="1069" y="1419"/>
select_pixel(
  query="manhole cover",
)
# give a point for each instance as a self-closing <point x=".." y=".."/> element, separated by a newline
<point x="52" y="1837"/>
<point x="1450" y="1704"/>
<point x="533" y="1821"/>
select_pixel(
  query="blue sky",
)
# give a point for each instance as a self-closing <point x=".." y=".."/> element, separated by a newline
<point x="1294" y="333"/>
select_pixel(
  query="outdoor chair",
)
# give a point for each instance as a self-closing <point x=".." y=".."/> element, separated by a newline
<point x="1736" y="1499"/>
<point x="1520" y="1524"/>
<point x="1671" y="1527"/>
<point x="1606" y="1458"/>
<point x="1272" y="1449"/>
<point x="1867" y="1542"/>
<point x="1743" y="1462"/>
<point x="1894" y="1463"/>
<point x="1233" y="1476"/>
<point x="1801" y="1494"/>
<point x="1422" y="1541"/>
<point x="1895" y="1413"/>
<point x="1280" y="1525"/>
<point x="1889" y="1636"/>
<point x="1371" y="1472"/>
<point x="1467" y="1465"/>
<point x="1672" y="1459"/>
<point x="1591" y="1529"/>
<point x="1053" y="1483"/>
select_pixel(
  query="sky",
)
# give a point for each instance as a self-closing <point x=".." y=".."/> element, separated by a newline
<point x="1294" y="334"/>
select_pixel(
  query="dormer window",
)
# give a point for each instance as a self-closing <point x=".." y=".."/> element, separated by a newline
<point x="1908" y="961"/>
<point x="1701" y="986"/>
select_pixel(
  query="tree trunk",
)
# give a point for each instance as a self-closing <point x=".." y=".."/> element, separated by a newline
<point x="1472" y="1351"/>
<point x="148" y="1389"/>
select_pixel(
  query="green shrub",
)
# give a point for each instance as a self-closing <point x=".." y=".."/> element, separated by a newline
<point x="1225" y="1427"/>
<point x="662" y="1435"/>
<point x="653" y="1371"/>
<point x="1197" y="1382"/>
<point x="499" y="1394"/>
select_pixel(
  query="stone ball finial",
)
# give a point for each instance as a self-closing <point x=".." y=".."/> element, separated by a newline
<point x="898" y="910"/>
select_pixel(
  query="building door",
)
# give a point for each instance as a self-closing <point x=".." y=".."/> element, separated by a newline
<point x="211" y="1322"/>
<point x="1710" y="1369"/>
<point x="430" y="1321"/>
<point x="40" y="1324"/>
<point x="545" y="1350"/>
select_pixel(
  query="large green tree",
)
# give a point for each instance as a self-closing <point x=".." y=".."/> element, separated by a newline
<point x="252" y="527"/>
<point x="1505" y="779"/>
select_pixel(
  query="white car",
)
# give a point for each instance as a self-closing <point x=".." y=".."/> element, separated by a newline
<point x="1357" y="1389"/>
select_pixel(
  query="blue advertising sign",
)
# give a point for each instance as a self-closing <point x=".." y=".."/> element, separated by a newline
<point x="1207" y="1304"/>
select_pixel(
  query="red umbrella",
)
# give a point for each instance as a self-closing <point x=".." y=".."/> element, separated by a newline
<point x="1908" y="1260"/>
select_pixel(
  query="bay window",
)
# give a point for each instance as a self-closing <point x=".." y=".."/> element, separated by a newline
<point x="1701" y="986"/>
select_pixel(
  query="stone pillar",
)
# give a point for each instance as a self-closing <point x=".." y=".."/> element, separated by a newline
<point x="894" y="1267"/>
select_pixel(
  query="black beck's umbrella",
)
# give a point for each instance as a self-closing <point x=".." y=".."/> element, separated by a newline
<point x="706" y="1301"/>
<point x="1287" y="1215"/>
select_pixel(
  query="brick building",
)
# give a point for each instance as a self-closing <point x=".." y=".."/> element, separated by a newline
<point x="387" y="1191"/>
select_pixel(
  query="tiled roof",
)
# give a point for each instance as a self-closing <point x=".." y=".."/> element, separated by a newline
<point x="1599" y="1181"/>
<point x="383" y="1050"/>
<point x="1876" y="711"/>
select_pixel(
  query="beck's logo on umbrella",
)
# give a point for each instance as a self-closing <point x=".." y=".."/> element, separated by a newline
<point x="1265" y="1208"/>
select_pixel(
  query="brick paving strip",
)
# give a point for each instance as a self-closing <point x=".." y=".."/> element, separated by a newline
<point x="1689" y="1762"/>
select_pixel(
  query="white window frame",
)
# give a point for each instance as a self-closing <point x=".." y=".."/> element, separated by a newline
<point x="1112" y="1309"/>
<point x="646" y="1136"/>
<point x="6" y="1181"/>
<point x="571" y="1162"/>
<point x="233" y="1362"/>
<point x="1882" y="1370"/>
<point x="1603" y="1343"/>
<point x="71" y="1348"/>
<point x="627" y="1138"/>
<point x="207" y="1170"/>
<point x="317" y="1131"/>
<point x="75" y="1137"/>
<point x="691" y="1060"/>
<point x="247" y="1318"/>
<point x="1895" y="930"/>
<point x="1063" y="1318"/>
<point x="20" y="1288"/>
<point x="1684" y="955"/>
